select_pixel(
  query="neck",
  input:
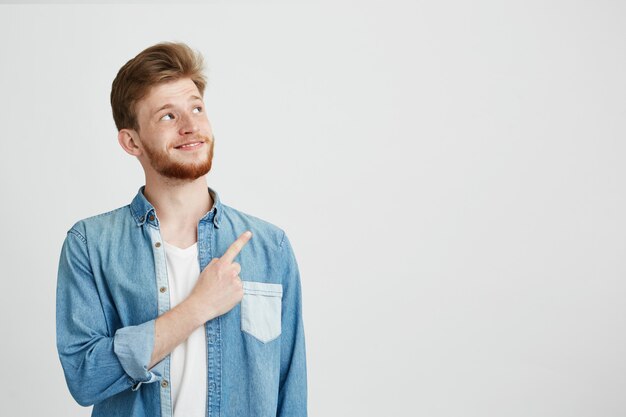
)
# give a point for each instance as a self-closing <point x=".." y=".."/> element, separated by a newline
<point x="179" y="204"/>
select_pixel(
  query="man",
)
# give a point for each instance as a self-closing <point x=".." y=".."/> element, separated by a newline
<point x="177" y="304"/>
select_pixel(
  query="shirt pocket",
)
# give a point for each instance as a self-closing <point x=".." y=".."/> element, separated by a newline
<point x="261" y="310"/>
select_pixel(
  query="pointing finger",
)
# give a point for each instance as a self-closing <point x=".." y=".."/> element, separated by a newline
<point x="236" y="247"/>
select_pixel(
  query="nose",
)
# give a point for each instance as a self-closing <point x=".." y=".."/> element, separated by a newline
<point x="188" y="124"/>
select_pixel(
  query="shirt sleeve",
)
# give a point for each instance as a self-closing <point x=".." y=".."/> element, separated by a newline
<point x="292" y="395"/>
<point x="97" y="364"/>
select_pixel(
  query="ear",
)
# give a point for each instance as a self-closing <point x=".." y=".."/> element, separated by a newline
<point x="128" y="141"/>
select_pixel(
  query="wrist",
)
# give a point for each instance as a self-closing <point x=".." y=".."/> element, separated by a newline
<point x="197" y="310"/>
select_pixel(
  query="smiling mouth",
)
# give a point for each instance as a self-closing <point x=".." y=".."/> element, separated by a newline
<point x="194" y="145"/>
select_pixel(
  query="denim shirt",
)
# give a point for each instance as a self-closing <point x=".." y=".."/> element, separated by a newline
<point x="112" y="285"/>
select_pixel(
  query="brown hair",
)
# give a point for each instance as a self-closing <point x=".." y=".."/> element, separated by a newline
<point x="157" y="64"/>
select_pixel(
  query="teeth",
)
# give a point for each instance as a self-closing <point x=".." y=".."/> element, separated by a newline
<point x="190" y="145"/>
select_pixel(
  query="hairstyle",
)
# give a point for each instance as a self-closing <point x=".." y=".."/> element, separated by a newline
<point x="157" y="64"/>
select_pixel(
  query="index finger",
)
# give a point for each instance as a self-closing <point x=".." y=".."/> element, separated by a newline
<point x="234" y="249"/>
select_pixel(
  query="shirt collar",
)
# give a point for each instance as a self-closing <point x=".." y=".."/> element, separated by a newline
<point x="143" y="211"/>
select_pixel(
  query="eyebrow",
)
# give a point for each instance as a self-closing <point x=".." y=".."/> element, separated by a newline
<point x="168" y="105"/>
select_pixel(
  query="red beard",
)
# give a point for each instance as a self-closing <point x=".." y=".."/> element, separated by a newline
<point x="165" y="165"/>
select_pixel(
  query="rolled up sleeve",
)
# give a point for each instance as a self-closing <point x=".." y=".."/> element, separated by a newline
<point x="133" y="346"/>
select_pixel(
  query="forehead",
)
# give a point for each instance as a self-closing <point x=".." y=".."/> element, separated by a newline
<point x="169" y="92"/>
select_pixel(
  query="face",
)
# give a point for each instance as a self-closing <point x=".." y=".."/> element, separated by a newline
<point x="172" y="115"/>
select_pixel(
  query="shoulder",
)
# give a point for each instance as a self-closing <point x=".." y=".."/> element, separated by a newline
<point x="102" y="223"/>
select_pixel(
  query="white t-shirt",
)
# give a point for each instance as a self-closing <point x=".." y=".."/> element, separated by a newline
<point x="188" y="366"/>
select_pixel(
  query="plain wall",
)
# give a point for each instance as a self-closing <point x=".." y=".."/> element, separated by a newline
<point x="451" y="176"/>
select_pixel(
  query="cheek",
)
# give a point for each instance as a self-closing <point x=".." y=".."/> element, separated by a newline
<point x="161" y="133"/>
<point x="156" y="141"/>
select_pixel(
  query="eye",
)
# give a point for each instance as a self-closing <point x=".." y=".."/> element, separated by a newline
<point x="198" y="107"/>
<point x="167" y="115"/>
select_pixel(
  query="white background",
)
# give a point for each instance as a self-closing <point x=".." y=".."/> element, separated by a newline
<point x="450" y="173"/>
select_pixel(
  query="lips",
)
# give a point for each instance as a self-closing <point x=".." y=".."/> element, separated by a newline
<point x="190" y="145"/>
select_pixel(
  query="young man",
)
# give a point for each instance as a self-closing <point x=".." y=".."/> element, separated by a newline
<point x="177" y="304"/>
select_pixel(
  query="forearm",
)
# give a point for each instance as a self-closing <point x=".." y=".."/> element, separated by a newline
<point x="174" y="327"/>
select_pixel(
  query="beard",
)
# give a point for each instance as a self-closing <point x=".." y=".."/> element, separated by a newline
<point x="165" y="165"/>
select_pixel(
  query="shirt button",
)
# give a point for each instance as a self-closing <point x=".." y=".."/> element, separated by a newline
<point x="151" y="217"/>
<point x="164" y="384"/>
<point x="158" y="244"/>
<point x="163" y="289"/>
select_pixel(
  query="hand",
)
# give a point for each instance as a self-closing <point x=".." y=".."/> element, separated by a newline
<point x="219" y="286"/>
